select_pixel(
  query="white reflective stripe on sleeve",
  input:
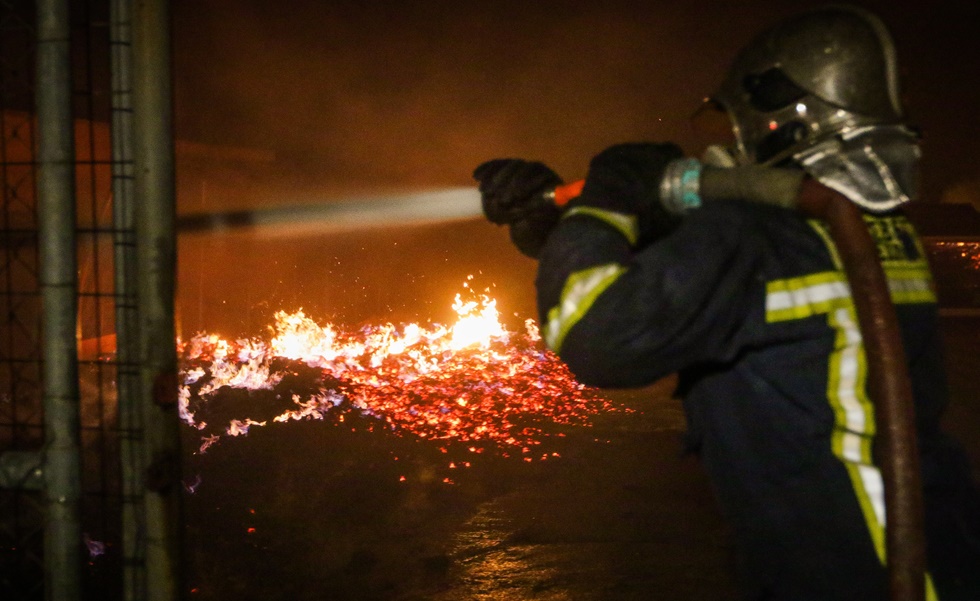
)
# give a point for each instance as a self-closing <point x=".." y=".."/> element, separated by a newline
<point x="581" y="290"/>
<point x="625" y="224"/>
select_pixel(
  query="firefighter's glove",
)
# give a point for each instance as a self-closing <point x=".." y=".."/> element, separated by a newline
<point x="625" y="180"/>
<point x="513" y="193"/>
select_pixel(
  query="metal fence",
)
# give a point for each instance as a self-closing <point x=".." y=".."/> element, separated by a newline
<point x="77" y="370"/>
<point x="21" y="416"/>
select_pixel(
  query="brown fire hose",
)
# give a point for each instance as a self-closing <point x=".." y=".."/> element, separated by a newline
<point x="889" y="385"/>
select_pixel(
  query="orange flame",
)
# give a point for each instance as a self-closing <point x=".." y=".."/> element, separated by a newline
<point x="473" y="382"/>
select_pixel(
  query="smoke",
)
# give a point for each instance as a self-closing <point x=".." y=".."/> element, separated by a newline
<point x="303" y="100"/>
<point x="419" y="93"/>
<point x="353" y="98"/>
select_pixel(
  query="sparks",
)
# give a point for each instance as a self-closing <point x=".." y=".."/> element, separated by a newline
<point x="473" y="383"/>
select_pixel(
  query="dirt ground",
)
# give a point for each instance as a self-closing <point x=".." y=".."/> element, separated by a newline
<point x="312" y="510"/>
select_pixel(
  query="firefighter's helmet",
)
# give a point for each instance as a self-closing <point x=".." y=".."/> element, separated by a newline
<point x="819" y="74"/>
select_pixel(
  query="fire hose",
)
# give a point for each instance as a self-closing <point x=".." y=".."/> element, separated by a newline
<point x="889" y="385"/>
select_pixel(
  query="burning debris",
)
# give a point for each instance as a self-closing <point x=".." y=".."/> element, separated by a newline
<point x="967" y="252"/>
<point x="956" y="267"/>
<point x="473" y="385"/>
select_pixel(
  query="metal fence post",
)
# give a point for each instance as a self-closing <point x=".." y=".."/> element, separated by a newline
<point x="131" y="443"/>
<point x="156" y="252"/>
<point x="56" y="217"/>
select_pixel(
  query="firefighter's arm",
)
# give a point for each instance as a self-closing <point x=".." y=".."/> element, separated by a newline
<point x="622" y="311"/>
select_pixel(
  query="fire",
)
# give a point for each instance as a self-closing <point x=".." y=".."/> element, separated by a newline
<point x="473" y="383"/>
<point x="478" y="324"/>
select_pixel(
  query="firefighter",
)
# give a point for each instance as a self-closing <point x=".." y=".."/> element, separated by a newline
<point x="749" y="305"/>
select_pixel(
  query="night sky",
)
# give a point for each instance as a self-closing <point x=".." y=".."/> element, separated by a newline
<point x="307" y="100"/>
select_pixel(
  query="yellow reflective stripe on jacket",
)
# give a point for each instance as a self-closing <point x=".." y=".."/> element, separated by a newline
<point x="813" y="294"/>
<point x="910" y="283"/>
<point x="824" y="232"/>
<point x="820" y="293"/>
<point x="580" y="291"/>
<point x="625" y="224"/>
<point x="854" y="421"/>
<point x="828" y="293"/>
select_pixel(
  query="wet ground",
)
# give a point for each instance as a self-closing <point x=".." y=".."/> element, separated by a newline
<point x="313" y="510"/>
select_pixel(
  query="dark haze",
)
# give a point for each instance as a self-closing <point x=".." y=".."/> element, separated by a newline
<point x="305" y="101"/>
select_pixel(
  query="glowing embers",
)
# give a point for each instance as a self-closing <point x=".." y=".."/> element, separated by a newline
<point x="473" y="383"/>
<point x="956" y="269"/>
<point x="968" y="252"/>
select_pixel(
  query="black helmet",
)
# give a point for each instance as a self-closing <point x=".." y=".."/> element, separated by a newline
<point x="816" y="75"/>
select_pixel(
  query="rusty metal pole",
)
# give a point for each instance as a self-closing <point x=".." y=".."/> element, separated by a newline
<point x="157" y="263"/>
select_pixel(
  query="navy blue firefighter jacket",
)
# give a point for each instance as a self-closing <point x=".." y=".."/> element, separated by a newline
<point x="750" y="306"/>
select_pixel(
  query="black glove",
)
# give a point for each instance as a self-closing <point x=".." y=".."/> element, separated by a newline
<point x="512" y="192"/>
<point x="626" y="179"/>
